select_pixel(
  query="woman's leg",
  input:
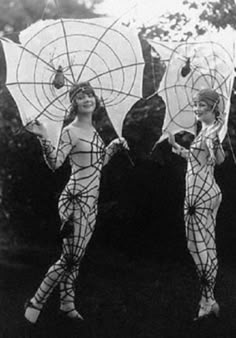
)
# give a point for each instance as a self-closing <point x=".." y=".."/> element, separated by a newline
<point x="208" y="290"/>
<point x="208" y="275"/>
<point x="198" y="223"/>
<point x="83" y="231"/>
<point x="200" y="232"/>
<point x="55" y="273"/>
<point x="74" y="255"/>
<point x="197" y="247"/>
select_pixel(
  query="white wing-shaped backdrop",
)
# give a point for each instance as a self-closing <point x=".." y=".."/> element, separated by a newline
<point x="101" y="51"/>
<point x="189" y="67"/>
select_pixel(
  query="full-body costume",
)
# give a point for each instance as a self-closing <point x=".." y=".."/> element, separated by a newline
<point x="202" y="200"/>
<point x="77" y="206"/>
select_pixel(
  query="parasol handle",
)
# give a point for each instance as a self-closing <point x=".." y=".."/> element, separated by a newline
<point x="126" y="152"/>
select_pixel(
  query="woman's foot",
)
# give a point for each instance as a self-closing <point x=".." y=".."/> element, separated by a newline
<point x="71" y="313"/>
<point x="32" y="311"/>
<point x="206" y="310"/>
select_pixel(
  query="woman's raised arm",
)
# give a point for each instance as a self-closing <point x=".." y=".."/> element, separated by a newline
<point x="177" y="148"/>
<point x="54" y="157"/>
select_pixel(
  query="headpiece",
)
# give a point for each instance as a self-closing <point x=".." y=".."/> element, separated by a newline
<point x="76" y="88"/>
<point x="210" y="96"/>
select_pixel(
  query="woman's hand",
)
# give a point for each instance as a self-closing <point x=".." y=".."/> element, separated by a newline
<point x="177" y="148"/>
<point x="37" y="128"/>
<point x="118" y="144"/>
<point x="221" y="118"/>
<point x="218" y="150"/>
<point x="115" y="146"/>
<point x="219" y="122"/>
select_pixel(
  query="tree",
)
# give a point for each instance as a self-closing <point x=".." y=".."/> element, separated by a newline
<point x="16" y="15"/>
<point x="219" y="14"/>
<point x="182" y="26"/>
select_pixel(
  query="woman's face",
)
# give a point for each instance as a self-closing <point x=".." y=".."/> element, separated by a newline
<point x="203" y="112"/>
<point x="86" y="102"/>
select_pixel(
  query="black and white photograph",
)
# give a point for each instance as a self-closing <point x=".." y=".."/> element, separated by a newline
<point x="117" y="168"/>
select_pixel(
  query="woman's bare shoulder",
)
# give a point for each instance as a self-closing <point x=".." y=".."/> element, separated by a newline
<point x="71" y="133"/>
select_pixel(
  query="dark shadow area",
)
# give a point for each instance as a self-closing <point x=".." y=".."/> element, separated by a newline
<point x="137" y="278"/>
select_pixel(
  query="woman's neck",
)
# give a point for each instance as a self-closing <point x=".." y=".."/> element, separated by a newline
<point x="83" y="121"/>
<point x="207" y="124"/>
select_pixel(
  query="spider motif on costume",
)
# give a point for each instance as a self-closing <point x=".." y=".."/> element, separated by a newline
<point x="202" y="200"/>
<point x="77" y="208"/>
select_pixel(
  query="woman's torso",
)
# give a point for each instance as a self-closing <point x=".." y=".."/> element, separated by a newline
<point x="86" y="159"/>
<point x="200" y="180"/>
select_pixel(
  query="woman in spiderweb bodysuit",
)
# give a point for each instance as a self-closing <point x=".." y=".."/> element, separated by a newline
<point x="78" y="201"/>
<point x="203" y="196"/>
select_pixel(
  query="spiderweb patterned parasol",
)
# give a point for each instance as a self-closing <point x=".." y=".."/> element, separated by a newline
<point x="54" y="54"/>
<point x="190" y="67"/>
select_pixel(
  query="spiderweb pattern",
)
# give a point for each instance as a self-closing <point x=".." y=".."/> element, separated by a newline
<point x="189" y="67"/>
<point x="202" y="200"/>
<point x="77" y="208"/>
<point x="101" y="51"/>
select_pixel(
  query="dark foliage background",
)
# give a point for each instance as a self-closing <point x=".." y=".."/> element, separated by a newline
<point x="137" y="278"/>
<point x="139" y="205"/>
